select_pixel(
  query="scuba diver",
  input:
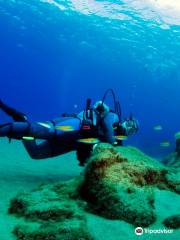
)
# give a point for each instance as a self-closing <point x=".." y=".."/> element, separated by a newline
<point x="70" y="132"/>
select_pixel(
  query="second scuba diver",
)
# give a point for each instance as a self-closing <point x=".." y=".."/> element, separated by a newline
<point x="70" y="132"/>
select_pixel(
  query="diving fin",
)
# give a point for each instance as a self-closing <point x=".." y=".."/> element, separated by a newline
<point x="16" y="115"/>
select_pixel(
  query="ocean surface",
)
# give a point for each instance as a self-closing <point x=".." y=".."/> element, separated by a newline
<point x="56" y="53"/>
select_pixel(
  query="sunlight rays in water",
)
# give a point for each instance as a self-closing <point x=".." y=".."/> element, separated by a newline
<point x="168" y="10"/>
<point x="57" y="4"/>
<point x="165" y="12"/>
<point x="101" y="8"/>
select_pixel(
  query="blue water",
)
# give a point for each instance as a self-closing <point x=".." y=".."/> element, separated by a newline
<point x="55" y="54"/>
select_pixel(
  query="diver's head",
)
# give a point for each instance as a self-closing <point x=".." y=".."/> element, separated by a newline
<point x="131" y="126"/>
<point x="101" y="108"/>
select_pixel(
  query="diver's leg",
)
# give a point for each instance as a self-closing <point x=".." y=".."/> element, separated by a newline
<point x="14" y="130"/>
<point x="46" y="149"/>
<point x="83" y="153"/>
<point x="16" y="115"/>
<point x="38" y="151"/>
<point x="18" y="130"/>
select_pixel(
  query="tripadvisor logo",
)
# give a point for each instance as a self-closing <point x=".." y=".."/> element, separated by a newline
<point x="138" y="231"/>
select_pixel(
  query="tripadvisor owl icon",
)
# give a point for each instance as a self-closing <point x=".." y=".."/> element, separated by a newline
<point x="138" y="231"/>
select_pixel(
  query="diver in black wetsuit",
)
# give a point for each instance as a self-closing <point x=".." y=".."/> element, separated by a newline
<point x="61" y="135"/>
<point x="53" y="141"/>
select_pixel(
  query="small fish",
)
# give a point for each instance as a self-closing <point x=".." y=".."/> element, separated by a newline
<point x="75" y="106"/>
<point x="177" y="135"/>
<point x="28" y="138"/>
<point x="65" y="128"/>
<point x="157" y="128"/>
<point x="165" y="144"/>
<point x="89" y="140"/>
<point x="121" y="137"/>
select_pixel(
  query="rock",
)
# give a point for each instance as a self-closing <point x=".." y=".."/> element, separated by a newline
<point x="173" y="180"/>
<point x="173" y="159"/>
<point x="118" y="183"/>
<point x="67" y="230"/>
<point x="178" y="147"/>
<point x="119" y="188"/>
<point x="172" y="222"/>
<point x="57" y="216"/>
<point x="45" y="204"/>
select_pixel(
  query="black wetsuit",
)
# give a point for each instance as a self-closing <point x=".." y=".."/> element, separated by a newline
<point x="54" y="136"/>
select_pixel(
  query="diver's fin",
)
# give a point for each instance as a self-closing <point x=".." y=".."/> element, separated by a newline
<point x="16" y="115"/>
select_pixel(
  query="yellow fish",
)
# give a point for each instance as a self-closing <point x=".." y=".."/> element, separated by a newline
<point x="121" y="137"/>
<point x="158" y="128"/>
<point x="165" y="144"/>
<point x="89" y="140"/>
<point x="65" y="128"/>
<point x="177" y="135"/>
<point x="28" y="138"/>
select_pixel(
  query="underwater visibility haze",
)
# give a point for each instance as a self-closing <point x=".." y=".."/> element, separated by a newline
<point x="55" y="54"/>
